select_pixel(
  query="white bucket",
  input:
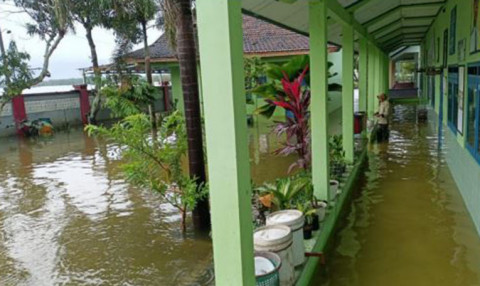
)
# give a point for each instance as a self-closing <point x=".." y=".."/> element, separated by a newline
<point x="295" y="220"/>
<point x="277" y="239"/>
<point x="333" y="189"/>
<point x="321" y="209"/>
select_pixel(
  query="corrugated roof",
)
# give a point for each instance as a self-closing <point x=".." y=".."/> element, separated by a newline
<point x="391" y="22"/>
<point x="259" y="38"/>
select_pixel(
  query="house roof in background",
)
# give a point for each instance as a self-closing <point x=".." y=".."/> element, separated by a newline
<point x="260" y="38"/>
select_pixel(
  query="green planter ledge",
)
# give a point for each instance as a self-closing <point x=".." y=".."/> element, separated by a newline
<point x="319" y="242"/>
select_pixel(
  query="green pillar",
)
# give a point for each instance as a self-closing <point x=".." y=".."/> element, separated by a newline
<point x="363" y="75"/>
<point x="221" y="57"/>
<point x="371" y="80"/>
<point x="347" y="93"/>
<point x="177" y="91"/>
<point x="200" y="88"/>
<point x="376" y="78"/>
<point x="385" y="73"/>
<point x="319" y="98"/>
<point x="382" y="73"/>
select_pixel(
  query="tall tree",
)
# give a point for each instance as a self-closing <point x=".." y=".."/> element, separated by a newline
<point x="90" y="15"/>
<point x="130" y="20"/>
<point x="179" y="23"/>
<point x="15" y="73"/>
<point x="3" y="54"/>
<point x="50" y="22"/>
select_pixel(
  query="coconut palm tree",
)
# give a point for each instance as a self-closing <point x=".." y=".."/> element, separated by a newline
<point x="178" y="20"/>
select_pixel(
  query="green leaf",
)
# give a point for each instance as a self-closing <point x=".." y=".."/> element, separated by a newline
<point x="266" y="110"/>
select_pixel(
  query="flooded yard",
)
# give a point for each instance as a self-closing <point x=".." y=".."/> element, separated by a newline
<point x="67" y="217"/>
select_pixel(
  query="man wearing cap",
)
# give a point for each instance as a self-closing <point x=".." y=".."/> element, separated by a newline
<point x="382" y="118"/>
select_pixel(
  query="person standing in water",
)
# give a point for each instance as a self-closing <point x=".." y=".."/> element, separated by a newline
<point x="382" y="118"/>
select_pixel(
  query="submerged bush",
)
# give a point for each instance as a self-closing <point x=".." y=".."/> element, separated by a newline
<point x="156" y="162"/>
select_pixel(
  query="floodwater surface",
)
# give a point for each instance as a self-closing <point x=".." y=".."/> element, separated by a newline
<point x="407" y="223"/>
<point x="67" y="217"/>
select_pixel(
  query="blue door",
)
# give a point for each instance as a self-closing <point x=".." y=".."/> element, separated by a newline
<point x="440" y="107"/>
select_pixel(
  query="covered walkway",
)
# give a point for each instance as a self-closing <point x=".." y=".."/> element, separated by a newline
<point x="375" y="30"/>
<point x="407" y="223"/>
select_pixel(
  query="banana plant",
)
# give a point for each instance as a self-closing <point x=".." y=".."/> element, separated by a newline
<point x="276" y="73"/>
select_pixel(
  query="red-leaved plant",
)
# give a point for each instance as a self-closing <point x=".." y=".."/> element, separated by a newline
<point x="296" y="127"/>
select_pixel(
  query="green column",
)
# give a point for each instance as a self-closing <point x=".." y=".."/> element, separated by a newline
<point x="200" y="88"/>
<point x="385" y="73"/>
<point x="382" y="73"/>
<point x="347" y="92"/>
<point x="371" y="80"/>
<point x="177" y="91"/>
<point x="376" y="78"/>
<point x="221" y="57"/>
<point x="363" y="75"/>
<point x="319" y="100"/>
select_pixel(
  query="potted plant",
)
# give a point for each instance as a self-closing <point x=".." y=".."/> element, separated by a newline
<point x="311" y="220"/>
<point x="289" y="88"/>
<point x="337" y="156"/>
<point x="284" y="193"/>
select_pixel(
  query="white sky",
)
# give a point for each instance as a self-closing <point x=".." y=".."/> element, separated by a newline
<point x="72" y="53"/>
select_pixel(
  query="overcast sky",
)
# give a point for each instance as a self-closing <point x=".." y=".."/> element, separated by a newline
<point x="72" y="53"/>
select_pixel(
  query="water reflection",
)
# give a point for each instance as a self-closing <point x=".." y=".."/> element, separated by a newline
<point x="407" y="224"/>
<point x="67" y="217"/>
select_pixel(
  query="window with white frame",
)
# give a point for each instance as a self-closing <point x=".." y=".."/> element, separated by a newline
<point x="473" y="111"/>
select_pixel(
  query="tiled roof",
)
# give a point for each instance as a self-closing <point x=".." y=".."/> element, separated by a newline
<point x="259" y="38"/>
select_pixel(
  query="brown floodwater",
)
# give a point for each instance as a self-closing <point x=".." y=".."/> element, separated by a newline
<point x="67" y="217"/>
<point x="407" y="223"/>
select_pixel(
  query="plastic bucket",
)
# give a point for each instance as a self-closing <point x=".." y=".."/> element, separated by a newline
<point x="359" y="122"/>
<point x="321" y="209"/>
<point x="333" y="189"/>
<point x="295" y="220"/>
<point x="267" y="266"/>
<point x="277" y="239"/>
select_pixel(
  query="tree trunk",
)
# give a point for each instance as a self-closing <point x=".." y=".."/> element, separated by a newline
<point x="187" y="58"/>
<point x="184" y="219"/>
<point x="148" y="73"/>
<point x="4" y="58"/>
<point x="92" y="116"/>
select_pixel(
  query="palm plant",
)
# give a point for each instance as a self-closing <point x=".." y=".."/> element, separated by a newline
<point x="178" y="17"/>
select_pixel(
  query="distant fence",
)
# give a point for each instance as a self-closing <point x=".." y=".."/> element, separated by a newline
<point x="68" y="108"/>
